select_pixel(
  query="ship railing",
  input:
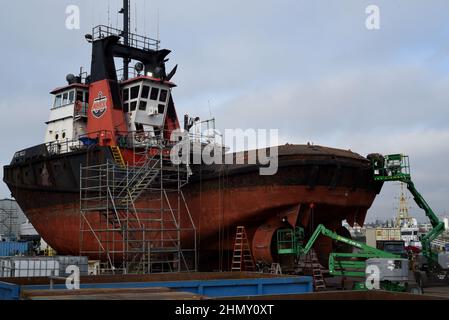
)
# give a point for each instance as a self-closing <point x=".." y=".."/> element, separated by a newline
<point x="132" y="73"/>
<point x="134" y="40"/>
<point x="81" y="109"/>
<point x="64" y="146"/>
<point x="164" y="138"/>
<point x="140" y="141"/>
<point x="84" y="141"/>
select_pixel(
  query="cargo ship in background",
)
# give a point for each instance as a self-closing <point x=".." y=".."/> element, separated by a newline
<point x="122" y="121"/>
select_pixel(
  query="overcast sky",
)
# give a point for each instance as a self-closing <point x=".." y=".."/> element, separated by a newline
<point x="308" y="68"/>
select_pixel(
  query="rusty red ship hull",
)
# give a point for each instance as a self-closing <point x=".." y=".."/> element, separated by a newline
<point x="313" y="185"/>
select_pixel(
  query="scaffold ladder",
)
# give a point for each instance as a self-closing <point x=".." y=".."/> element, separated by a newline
<point x="242" y="259"/>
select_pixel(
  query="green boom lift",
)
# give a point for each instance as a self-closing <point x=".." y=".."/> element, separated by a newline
<point x="340" y="264"/>
<point x="395" y="270"/>
<point x="433" y="266"/>
<point x="290" y="242"/>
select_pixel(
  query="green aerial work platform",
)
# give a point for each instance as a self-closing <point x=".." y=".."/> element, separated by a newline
<point x="395" y="167"/>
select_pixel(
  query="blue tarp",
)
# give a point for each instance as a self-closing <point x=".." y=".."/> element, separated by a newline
<point x="88" y="141"/>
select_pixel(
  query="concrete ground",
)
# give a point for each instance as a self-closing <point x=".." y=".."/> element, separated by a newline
<point x="437" y="292"/>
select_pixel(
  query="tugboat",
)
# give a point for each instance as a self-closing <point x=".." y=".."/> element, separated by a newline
<point x="102" y="184"/>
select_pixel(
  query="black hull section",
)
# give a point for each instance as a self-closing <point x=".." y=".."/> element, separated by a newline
<point x="309" y="166"/>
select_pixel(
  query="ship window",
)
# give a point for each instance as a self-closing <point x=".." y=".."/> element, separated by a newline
<point x="126" y="107"/>
<point x="126" y="94"/>
<point x="58" y="101"/>
<point x="154" y="93"/>
<point x="71" y="96"/>
<point x="139" y="127"/>
<point x="63" y="135"/>
<point x="135" y="92"/>
<point x="57" y="136"/>
<point x="163" y="97"/>
<point x="145" y="92"/>
<point x="65" y="97"/>
<point x="133" y="105"/>
<point x="161" y="108"/>
<point x="142" y="105"/>
<point x="79" y="96"/>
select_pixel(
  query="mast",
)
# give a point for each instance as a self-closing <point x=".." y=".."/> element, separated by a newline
<point x="126" y="25"/>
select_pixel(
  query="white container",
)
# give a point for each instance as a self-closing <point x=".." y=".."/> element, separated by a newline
<point x="94" y="267"/>
<point x="29" y="267"/>
<point x="388" y="234"/>
<point x="5" y="269"/>
<point x="371" y="237"/>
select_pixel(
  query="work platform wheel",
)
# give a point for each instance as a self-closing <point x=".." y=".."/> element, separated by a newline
<point x="415" y="289"/>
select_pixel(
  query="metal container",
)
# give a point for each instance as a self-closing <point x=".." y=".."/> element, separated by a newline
<point x="371" y="237"/>
<point x="12" y="248"/>
<point x="221" y="284"/>
<point x="443" y="260"/>
<point x="28" y="267"/>
<point x="383" y="234"/>
<point x="65" y="261"/>
<point x="390" y="269"/>
<point x="94" y="267"/>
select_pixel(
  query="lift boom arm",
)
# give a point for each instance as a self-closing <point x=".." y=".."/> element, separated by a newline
<point x="322" y="230"/>
<point x="340" y="264"/>
<point x="437" y="225"/>
<point x="396" y="167"/>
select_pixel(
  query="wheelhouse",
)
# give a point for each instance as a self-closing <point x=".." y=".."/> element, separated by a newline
<point x="68" y="113"/>
<point x="145" y="101"/>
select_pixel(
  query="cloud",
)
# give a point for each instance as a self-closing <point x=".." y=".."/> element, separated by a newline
<point x="373" y="100"/>
<point x="309" y="68"/>
<point x="386" y="110"/>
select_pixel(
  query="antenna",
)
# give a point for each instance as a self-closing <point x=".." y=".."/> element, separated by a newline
<point x="210" y="111"/>
<point x="109" y="11"/>
<point x="145" y="18"/>
<point x="126" y="23"/>
<point x="158" y="39"/>
<point x="116" y="21"/>
<point x="135" y="16"/>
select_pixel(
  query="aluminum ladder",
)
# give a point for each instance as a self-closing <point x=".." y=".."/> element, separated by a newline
<point x="315" y="267"/>
<point x="242" y="259"/>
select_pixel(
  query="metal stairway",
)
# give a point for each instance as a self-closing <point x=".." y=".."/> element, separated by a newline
<point x="141" y="179"/>
<point x="117" y="155"/>
<point x="142" y="182"/>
